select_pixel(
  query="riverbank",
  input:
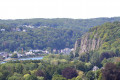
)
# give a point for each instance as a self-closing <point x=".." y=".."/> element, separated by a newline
<point x="28" y="58"/>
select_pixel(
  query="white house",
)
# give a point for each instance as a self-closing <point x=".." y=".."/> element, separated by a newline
<point x="66" y="50"/>
<point x="95" y="68"/>
<point x="2" y="29"/>
<point x="29" y="53"/>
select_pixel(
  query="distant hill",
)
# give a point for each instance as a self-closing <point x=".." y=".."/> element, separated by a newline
<point x="45" y="33"/>
<point x="38" y="38"/>
<point x="81" y="24"/>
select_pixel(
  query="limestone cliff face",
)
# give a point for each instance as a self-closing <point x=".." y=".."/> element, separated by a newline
<point x="77" y="44"/>
<point x="86" y="43"/>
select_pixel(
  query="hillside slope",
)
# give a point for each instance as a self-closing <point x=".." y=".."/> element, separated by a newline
<point x="40" y="33"/>
<point x="81" y="24"/>
<point x="37" y="38"/>
<point x="101" y="38"/>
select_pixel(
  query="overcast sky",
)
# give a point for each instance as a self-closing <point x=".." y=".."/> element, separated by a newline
<point x="77" y="9"/>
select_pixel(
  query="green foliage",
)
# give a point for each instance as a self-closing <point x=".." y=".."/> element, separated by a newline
<point x="19" y="68"/>
<point x="95" y="58"/>
<point x="90" y="75"/>
<point x="81" y="24"/>
<point x="45" y="70"/>
<point x="78" y="78"/>
<point x="31" y="77"/>
<point x="48" y="33"/>
<point x="109" y="35"/>
<point x="84" y="57"/>
<point x="16" y="76"/>
<point x="26" y="75"/>
<point x="38" y="38"/>
<point x="111" y="72"/>
<point x="100" y="77"/>
<point x="58" y="77"/>
<point x="69" y="73"/>
<point x="77" y="52"/>
<point x="109" y="43"/>
<point x="40" y="78"/>
<point x="1" y="76"/>
<point x="73" y="70"/>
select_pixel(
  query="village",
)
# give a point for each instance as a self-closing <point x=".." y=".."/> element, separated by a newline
<point x="24" y="28"/>
<point x="33" y="53"/>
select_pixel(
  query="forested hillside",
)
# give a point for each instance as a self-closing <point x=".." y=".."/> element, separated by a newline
<point x="99" y="43"/>
<point x="38" y="38"/>
<point x="109" y="34"/>
<point x="44" y="33"/>
<point x="81" y="24"/>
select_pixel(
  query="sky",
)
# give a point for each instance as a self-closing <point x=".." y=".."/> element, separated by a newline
<point x="77" y="9"/>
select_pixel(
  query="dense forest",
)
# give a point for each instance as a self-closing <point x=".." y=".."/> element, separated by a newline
<point x="58" y="67"/>
<point x="109" y="34"/>
<point x="44" y="33"/>
<point x="38" y="38"/>
<point x="81" y="24"/>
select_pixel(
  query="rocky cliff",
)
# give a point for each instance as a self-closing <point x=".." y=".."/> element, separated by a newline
<point x="102" y="38"/>
<point x="88" y="43"/>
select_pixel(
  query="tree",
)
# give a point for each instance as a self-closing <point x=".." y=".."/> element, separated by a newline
<point x="1" y="76"/>
<point x="19" y="68"/>
<point x="78" y="78"/>
<point x="31" y="77"/>
<point x="117" y="51"/>
<point x="111" y="72"/>
<point x="58" y="77"/>
<point x="26" y="75"/>
<point x="106" y="55"/>
<point x="16" y="76"/>
<point x="90" y="75"/>
<point x="71" y="55"/>
<point x="40" y="78"/>
<point x="40" y="73"/>
<point x="95" y="59"/>
<point x="77" y="52"/>
<point x="69" y="73"/>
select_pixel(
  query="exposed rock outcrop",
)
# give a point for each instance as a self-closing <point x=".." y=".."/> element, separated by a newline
<point x="100" y="38"/>
<point x="88" y="43"/>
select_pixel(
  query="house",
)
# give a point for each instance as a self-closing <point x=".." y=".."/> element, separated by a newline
<point x="45" y="52"/>
<point x="18" y="29"/>
<point x="28" y="26"/>
<point x="29" y="53"/>
<point x="72" y="49"/>
<point x="4" y="54"/>
<point x="2" y="29"/>
<point x="36" y="50"/>
<point x="15" y="52"/>
<point x="54" y="51"/>
<point x="66" y="51"/>
<point x="95" y="68"/>
<point x="24" y="30"/>
<point x="20" y="55"/>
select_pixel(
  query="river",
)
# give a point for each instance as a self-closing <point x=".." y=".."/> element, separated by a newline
<point x="30" y="58"/>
